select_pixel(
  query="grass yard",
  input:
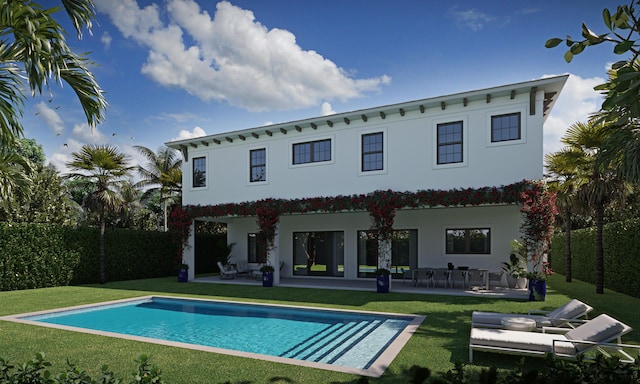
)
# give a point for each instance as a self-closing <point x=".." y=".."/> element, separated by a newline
<point x="440" y="341"/>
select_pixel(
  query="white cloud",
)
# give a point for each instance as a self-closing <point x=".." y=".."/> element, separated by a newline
<point x="90" y="135"/>
<point x="326" y="109"/>
<point x="234" y="58"/>
<point x="472" y="19"/>
<point x="50" y="117"/>
<point x="106" y="40"/>
<point x="184" y="134"/>
<point x="577" y="102"/>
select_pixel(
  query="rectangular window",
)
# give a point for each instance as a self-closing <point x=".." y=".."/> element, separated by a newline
<point x="469" y="240"/>
<point x="450" y="143"/>
<point x="257" y="252"/>
<point x="372" y="152"/>
<point x="258" y="165"/>
<point x="312" y="152"/>
<point x="199" y="176"/>
<point x="505" y="127"/>
<point x="318" y="253"/>
<point x="404" y="252"/>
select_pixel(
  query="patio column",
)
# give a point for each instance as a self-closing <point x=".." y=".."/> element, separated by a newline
<point x="189" y="251"/>
<point x="275" y="256"/>
<point x="384" y="255"/>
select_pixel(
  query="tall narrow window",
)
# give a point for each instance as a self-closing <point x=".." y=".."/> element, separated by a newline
<point x="258" y="165"/>
<point x="199" y="176"/>
<point x="312" y="152"/>
<point x="256" y="249"/>
<point x="505" y="127"/>
<point x="372" y="152"/>
<point x="450" y="143"/>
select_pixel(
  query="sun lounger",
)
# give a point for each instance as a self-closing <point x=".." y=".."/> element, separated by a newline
<point x="596" y="333"/>
<point x="226" y="273"/>
<point x="564" y="315"/>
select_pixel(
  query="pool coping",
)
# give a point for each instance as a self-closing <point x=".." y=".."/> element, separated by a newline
<point x="376" y="369"/>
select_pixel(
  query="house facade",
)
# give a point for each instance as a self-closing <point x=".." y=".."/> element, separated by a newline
<point x="489" y="138"/>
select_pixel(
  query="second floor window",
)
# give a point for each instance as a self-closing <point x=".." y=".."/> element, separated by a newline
<point x="199" y="176"/>
<point x="312" y="152"/>
<point x="372" y="152"/>
<point x="450" y="143"/>
<point x="258" y="165"/>
<point x="505" y="127"/>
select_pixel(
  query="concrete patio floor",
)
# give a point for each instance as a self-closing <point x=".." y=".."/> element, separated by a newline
<point x="370" y="285"/>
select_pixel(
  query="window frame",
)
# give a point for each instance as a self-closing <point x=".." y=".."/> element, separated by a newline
<point x="193" y="172"/>
<point x="467" y="237"/>
<point x="293" y="144"/>
<point x="520" y="108"/>
<point x="252" y="166"/>
<point x="256" y="251"/>
<point x="504" y="115"/>
<point x="461" y="142"/>
<point x="381" y="151"/>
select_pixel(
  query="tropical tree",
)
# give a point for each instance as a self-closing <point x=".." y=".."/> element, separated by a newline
<point x="596" y="187"/>
<point x="163" y="174"/>
<point x="34" y="53"/>
<point x="105" y="169"/>
<point x="46" y="202"/>
<point x="14" y="173"/>
<point x="621" y="106"/>
<point x="567" y="174"/>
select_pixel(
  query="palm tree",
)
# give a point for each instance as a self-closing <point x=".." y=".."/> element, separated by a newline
<point x="163" y="173"/>
<point x="603" y="186"/>
<point x="567" y="173"/>
<point x="14" y="173"/>
<point x="35" y="53"/>
<point x="105" y="169"/>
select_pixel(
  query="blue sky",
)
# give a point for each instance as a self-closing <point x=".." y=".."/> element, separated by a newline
<point x="183" y="68"/>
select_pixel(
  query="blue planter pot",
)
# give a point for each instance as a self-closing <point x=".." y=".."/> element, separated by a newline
<point x="267" y="279"/>
<point x="537" y="290"/>
<point x="183" y="275"/>
<point x="382" y="283"/>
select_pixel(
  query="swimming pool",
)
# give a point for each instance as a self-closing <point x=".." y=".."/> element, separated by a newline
<point x="357" y="342"/>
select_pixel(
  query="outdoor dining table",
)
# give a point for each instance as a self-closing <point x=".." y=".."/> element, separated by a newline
<point x="430" y="272"/>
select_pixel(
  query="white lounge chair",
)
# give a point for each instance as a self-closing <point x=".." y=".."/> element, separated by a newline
<point x="564" y="315"/>
<point x="226" y="273"/>
<point x="596" y="333"/>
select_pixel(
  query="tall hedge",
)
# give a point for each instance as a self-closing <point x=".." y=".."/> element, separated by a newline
<point x="621" y="255"/>
<point x="35" y="256"/>
<point x="129" y="254"/>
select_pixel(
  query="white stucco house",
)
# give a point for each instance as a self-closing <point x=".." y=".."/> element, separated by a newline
<point x="453" y="145"/>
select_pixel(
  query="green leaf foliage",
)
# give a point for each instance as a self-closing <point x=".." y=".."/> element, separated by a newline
<point x="621" y="245"/>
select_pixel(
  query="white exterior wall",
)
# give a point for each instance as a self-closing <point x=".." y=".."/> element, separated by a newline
<point x="431" y="224"/>
<point x="409" y="165"/>
<point x="410" y="157"/>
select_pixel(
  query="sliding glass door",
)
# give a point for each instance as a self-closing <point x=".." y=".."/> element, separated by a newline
<point x="404" y="252"/>
<point x="318" y="253"/>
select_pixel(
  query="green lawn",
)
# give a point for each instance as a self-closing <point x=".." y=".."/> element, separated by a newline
<point x="441" y="339"/>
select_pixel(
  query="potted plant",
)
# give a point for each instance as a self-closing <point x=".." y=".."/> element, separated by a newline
<point x="538" y="282"/>
<point x="382" y="280"/>
<point x="183" y="272"/>
<point x="267" y="275"/>
<point x="516" y="274"/>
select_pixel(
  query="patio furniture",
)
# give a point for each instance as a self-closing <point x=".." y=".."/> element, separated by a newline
<point x="564" y="315"/>
<point x="424" y="274"/>
<point x="457" y="275"/>
<point x="441" y="274"/>
<point x="594" y="334"/>
<point x="518" y="324"/>
<point x="478" y="277"/>
<point x="226" y="273"/>
<point x="242" y="268"/>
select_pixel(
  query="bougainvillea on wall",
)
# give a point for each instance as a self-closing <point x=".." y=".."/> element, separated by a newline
<point x="381" y="205"/>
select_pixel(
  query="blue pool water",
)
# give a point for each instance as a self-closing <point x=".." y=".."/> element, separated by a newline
<point x="350" y="339"/>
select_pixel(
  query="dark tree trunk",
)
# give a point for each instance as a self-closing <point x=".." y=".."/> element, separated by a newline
<point x="567" y="245"/>
<point x="101" y="258"/>
<point x="599" y="249"/>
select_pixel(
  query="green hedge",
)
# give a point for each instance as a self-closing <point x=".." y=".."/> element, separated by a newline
<point x="35" y="256"/>
<point x="45" y="255"/>
<point x="129" y="254"/>
<point x="621" y="255"/>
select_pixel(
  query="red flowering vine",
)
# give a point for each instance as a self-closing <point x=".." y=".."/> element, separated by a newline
<point x="381" y="206"/>
<point x="539" y="210"/>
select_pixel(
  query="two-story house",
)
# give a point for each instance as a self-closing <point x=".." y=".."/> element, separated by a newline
<point x="484" y="138"/>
